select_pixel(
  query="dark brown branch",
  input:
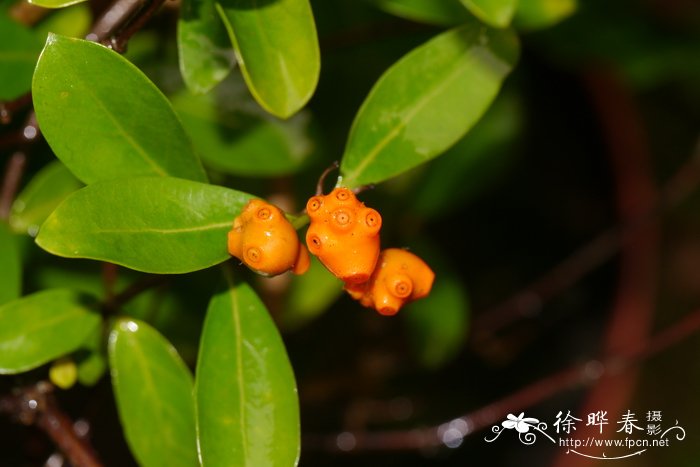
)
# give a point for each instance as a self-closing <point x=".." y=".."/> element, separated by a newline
<point x="574" y="377"/>
<point x="122" y="20"/>
<point x="36" y="405"/>
<point x="9" y="108"/>
<point x="10" y="184"/>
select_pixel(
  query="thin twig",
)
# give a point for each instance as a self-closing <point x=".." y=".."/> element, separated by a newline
<point x="36" y="405"/>
<point x="10" y="184"/>
<point x="121" y="21"/>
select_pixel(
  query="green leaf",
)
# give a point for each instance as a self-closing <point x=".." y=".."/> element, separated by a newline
<point x="496" y="13"/>
<point x="205" y="52"/>
<point x="277" y="49"/>
<point x="153" y="389"/>
<point x="43" y="326"/>
<point x="10" y="266"/>
<point x="152" y="224"/>
<point x="473" y="164"/>
<point x="437" y="325"/>
<point x="310" y="295"/>
<point x="234" y="135"/>
<point x="247" y="407"/>
<point x="104" y="119"/>
<point x="51" y="185"/>
<point x="539" y="14"/>
<point x="73" y="21"/>
<point x="90" y="360"/>
<point x="439" y="12"/>
<point x="426" y="101"/>
<point x="19" y="50"/>
<point x="54" y="3"/>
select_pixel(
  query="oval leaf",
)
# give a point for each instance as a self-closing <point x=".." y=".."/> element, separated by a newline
<point x="153" y="389"/>
<point x="538" y="14"/>
<point x="153" y="224"/>
<point x="10" y="267"/>
<point x="19" y="50"/>
<point x="205" y="53"/>
<point x="497" y="13"/>
<point x="104" y="119"/>
<point x="51" y="185"/>
<point x="43" y="326"/>
<point x="440" y="12"/>
<point x="247" y="407"/>
<point x="55" y="3"/>
<point x="234" y="135"/>
<point x="277" y="49"/>
<point x="427" y="101"/>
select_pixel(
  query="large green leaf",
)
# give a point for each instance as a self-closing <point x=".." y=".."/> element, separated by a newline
<point x="277" y="49"/>
<point x="19" y="50"/>
<point x="51" y="185"/>
<point x="153" y="388"/>
<point x="247" y="407"/>
<point x="497" y="13"/>
<point x="152" y="224"/>
<point x="104" y="119"/>
<point x="205" y="52"/>
<point x="40" y="327"/>
<point x="10" y="267"/>
<point x="234" y="135"/>
<point x="427" y="101"/>
<point x="538" y="14"/>
<point x="440" y="12"/>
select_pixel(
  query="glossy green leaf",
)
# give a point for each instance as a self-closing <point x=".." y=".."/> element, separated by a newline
<point x="51" y="185"/>
<point x="73" y="21"/>
<point x="55" y="3"/>
<point x="437" y="325"/>
<point x="277" y="49"/>
<point x="153" y="389"/>
<point x="19" y="50"/>
<point x="43" y="326"/>
<point x="473" y="164"/>
<point x="205" y="51"/>
<point x="310" y="295"/>
<point x="234" y="135"/>
<point x="496" y="13"/>
<point x="247" y="407"/>
<point x="152" y="224"/>
<point x="538" y="14"/>
<point x="440" y="12"/>
<point x="426" y="101"/>
<point x="10" y="266"/>
<point x="104" y="119"/>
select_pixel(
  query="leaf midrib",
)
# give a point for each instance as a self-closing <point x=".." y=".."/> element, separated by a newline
<point x="235" y="311"/>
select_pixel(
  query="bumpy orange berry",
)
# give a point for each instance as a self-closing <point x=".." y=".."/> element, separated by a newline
<point x="400" y="277"/>
<point x="266" y="242"/>
<point x="344" y="234"/>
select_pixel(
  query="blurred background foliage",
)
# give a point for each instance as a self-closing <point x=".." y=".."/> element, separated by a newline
<point x="526" y="187"/>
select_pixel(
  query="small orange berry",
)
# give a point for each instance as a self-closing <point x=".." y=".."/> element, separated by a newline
<point x="400" y="277"/>
<point x="344" y="234"/>
<point x="265" y="240"/>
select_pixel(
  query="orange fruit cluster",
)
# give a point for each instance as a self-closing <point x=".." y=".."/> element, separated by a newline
<point x="344" y="235"/>
<point x="266" y="241"/>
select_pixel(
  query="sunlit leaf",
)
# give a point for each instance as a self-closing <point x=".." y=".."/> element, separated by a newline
<point x="426" y="101"/>
<point x="440" y="12"/>
<point x="538" y="14"/>
<point x="43" y="326"/>
<point x="310" y="295"/>
<point x="205" y="51"/>
<point x="247" y="407"/>
<point x="277" y="50"/>
<point x="234" y="135"/>
<point x="497" y="13"/>
<point x="19" y="50"/>
<point x="51" y="185"/>
<point x="152" y="224"/>
<point x="54" y="3"/>
<point x="10" y="267"/>
<point x="153" y="389"/>
<point x="104" y="119"/>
